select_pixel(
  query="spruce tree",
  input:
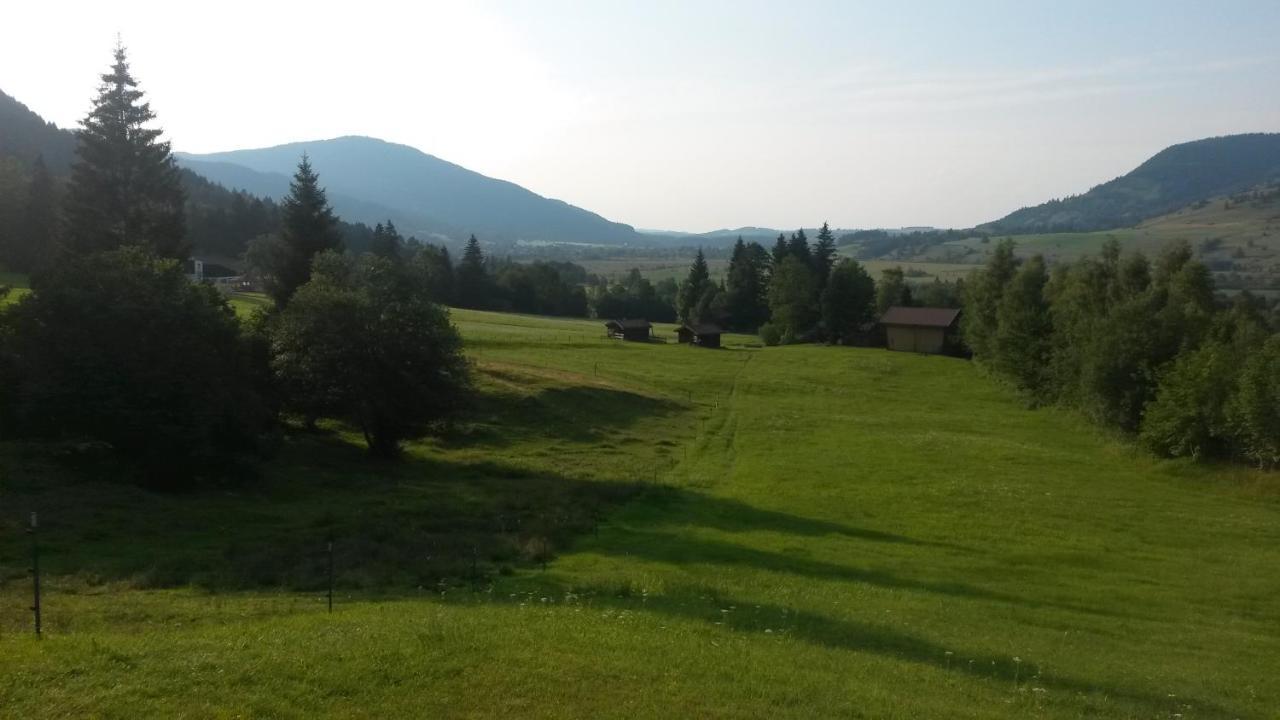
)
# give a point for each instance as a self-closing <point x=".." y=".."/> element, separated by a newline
<point x="799" y="247"/>
<point x="824" y="256"/>
<point x="781" y="251"/>
<point x="745" y="287"/>
<point x="472" y="279"/>
<point x="308" y="227"/>
<point x="387" y="242"/>
<point x="693" y="288"/>
<point x="125" y="188"/>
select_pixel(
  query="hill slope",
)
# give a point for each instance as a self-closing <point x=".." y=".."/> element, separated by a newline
<point x="410" y="182"/>
<point x="1172" y="179"/>
<point x="811" y="532"/>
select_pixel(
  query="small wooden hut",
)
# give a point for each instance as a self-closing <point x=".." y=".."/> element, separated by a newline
<point x="700" y="334"/>
<point x="918" y="329"/>
<point x="635" y="330"/>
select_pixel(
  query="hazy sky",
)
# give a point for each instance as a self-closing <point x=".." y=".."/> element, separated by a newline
<point x="692" y="115"/>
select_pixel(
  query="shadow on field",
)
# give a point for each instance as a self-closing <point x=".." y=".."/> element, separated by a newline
<point x="577" y="414"/>
<point x="731" y="515"/>
<point x="778" y="622"/>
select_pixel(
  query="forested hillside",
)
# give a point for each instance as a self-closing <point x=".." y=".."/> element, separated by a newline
<point x="421" y="187"/>
<point x="1174" y="178"/>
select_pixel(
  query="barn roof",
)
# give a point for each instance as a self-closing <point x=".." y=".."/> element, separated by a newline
<point x="920" y="316"/>
<point x="702" y="328"/>
<point x="633" y="324"/>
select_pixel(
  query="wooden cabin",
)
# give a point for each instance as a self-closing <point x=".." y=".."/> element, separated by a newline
<point x="633" y="330"/>
<point x="918" y="329"/>
<point x="700" y="334"/>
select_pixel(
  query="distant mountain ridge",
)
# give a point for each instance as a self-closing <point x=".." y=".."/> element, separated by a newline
<point x="371" y="180"/>
<point x="1172" y="179"/>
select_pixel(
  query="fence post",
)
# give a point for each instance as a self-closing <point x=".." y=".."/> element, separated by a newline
<point x="330" y="546"/>
<point x="35" y="571"/>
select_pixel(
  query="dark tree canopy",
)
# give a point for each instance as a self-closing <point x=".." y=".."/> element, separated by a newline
<point x="848" y="300"/>
<point x="362" y="343"/>
<point x="120" y="348"/>
<point x="125" y="187"/>
<point x="473" y="286"/>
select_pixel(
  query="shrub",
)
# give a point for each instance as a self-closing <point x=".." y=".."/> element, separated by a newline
<point x="770" y="334"/>
<point x="121" y="348"/>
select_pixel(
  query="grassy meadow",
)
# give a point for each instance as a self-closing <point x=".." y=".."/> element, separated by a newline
<point x="17" y="285"/>
<point x="655" y="530"/>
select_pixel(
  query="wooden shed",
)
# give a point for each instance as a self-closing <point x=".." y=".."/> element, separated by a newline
<point x="918" y="329"/>
<point x="634" y="330"/>
<point x="700" y="334"/>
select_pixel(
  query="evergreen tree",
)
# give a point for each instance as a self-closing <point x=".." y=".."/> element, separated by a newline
<point x="472" y="278"/>
<point x="125" y="187"/>
<point x="745" y="287"/>
<point x="434" y="270"/>
<point x="39" y="227"/>
<point x="693" y="288"/>
<point x="824" y="256"/>
<point x="308" y="227"/>
<point x="798" y="247"/>
<point x="387" y="242"/>
<point x="781" y="250"/>
<point x="848" y="300"/>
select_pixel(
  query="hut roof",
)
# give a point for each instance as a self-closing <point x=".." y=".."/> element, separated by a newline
<point x="702" y="328"/>
<point x="633" y="324"/>
<point x="920" y="316"/>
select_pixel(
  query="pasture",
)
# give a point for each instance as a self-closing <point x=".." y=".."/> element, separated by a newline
<point x="655" y="530"/>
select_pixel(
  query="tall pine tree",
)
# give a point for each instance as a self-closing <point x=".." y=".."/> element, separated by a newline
<point x="693" y="288"/>
<point x="824" y="256"/>
<point x="125" y="188"/>
<point x="472" y="280"/>
<point x="308" y="227"/>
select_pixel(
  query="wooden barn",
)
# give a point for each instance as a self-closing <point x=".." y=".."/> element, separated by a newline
<point x="700" y="334"/>
<point x="918" y="329"/>
<point x="634" y="330"/>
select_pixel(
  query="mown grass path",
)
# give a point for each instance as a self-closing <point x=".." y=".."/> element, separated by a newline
<point x="817" y="532"/>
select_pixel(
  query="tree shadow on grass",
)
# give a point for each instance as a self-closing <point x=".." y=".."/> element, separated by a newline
<point x="682" y="550"/>
<point x="729" y="515"/>
<point x="741" y="615"/>
<point x="582" y="414"/>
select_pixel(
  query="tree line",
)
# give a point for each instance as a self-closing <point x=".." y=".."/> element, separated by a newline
<point x="1140" y="346"/>
<point x="798" y="292"/>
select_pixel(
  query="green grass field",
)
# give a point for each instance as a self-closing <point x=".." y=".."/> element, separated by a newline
<point x="17" y="285"/>
<point x="790" y="532"/>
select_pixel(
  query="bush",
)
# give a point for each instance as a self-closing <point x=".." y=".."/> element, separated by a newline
<point x="1254" y="412"/>
<point x="770" y="334"/>
<point x="121" y="348"/>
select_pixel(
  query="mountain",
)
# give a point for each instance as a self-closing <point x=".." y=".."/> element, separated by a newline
<point x="370" y="180"/>
<point x="220" y="222"/>
<point x="1172" y="179"/>
<point x="25" y="135"/>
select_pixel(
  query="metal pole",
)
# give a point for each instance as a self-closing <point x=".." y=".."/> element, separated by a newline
<point x="331" y="575"/>
<point x="35" y="572"/>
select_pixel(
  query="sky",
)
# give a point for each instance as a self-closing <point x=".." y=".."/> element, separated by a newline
<point x="691" y="115"/>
